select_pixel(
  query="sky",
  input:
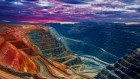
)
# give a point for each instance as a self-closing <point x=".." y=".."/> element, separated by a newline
<point x="46" y="11"/>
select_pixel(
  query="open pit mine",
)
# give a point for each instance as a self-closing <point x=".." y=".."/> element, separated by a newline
<point x="37" y="52"/>
<point x="34" y="52"/>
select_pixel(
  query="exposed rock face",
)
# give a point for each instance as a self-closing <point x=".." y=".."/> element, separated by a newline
<point x="36" y="52"/>
<point x="127" y="67"/>
<point x="12" y="54"/>
<point x="52" y="47"/>
<point x="32" y="52"/>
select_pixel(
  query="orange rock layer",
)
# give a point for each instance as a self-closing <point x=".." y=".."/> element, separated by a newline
<point x="13" y="56"/>
<point x="17" y="52"/>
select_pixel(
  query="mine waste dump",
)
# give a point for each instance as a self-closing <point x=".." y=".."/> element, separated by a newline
<point x="37" y="52"/>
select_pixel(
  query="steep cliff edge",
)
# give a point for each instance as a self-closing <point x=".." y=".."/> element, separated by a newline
<point x="22" y="56"/>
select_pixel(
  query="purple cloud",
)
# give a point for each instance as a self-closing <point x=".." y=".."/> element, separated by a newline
<point x="70" y="10"/>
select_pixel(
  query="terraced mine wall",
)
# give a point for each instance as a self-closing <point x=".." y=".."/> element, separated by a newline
<point x="127" y="67"/>
<point x="51" y="46"/>
<point x="116" y="39"/>
<point x="21" y="56"/>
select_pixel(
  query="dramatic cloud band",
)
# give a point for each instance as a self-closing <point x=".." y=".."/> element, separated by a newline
<point x="42" y="11"/>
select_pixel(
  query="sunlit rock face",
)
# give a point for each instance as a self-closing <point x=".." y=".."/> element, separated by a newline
<point x="12" y="53"/>
<point x="31" y="51"/>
